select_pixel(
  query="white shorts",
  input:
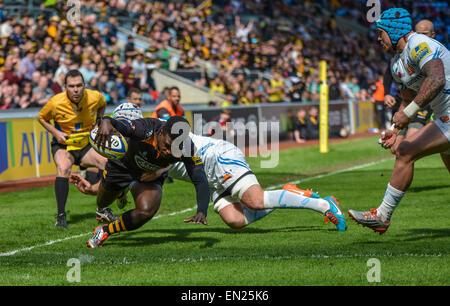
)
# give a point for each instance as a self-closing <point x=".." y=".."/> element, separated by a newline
<point x="235" y="192"/>
<point x="232" y="177"/>
<point x="443" y="123"/>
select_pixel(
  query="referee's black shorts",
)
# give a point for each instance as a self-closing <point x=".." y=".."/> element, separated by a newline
<point x="77" y="154"/>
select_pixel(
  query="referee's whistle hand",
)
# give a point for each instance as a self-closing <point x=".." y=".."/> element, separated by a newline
<point x="61" y="137"/>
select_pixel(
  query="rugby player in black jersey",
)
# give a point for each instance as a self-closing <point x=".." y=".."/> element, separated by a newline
<point x="152" y="145"/>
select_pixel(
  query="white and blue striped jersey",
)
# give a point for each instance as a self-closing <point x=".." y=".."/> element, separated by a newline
<point x="223" y="162"/>
<point x="406" y="68"/>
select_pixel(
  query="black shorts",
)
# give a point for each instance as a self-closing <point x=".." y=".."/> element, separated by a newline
<point x="423" y="116"/>
<point x="117" y="177"/>
<point x="77" y="154"/>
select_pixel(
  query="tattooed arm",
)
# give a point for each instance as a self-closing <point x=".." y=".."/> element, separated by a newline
<point x="434" y="82"/>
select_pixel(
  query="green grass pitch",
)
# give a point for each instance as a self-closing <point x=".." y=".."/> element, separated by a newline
<point x="287" y="248"/>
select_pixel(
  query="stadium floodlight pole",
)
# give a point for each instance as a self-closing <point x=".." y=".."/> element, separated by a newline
<point x="323" y="108"/>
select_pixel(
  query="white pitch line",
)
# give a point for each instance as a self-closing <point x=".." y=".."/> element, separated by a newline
<point x="272" y="257"/>
<point x="11" y="253"/>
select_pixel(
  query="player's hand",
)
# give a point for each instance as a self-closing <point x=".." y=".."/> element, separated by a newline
<point x="61" y="137"/>
<point x="82" y="184"/>
<point x="104" y="132"/>
<point x="389" y="101"/>
<point x="387" y="139"/>
<point x="400" y="120"/>
<point x="197" y="219"/>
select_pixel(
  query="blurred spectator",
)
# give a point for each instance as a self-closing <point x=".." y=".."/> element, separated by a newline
<point x="42" y="93"/>
<point x="88" y="70"/>
<point x="296" y="91"/>
<point x="130" y="50"/>
<point x="290" y="124"/>
<point x="58" y="85"/>
<point x="222" y="120"/>
<point x="135" y="97"/>
<point x="170" y="106"/>
<point x="300" y="128"/>
<point x="6" y="28"/>
<point x="26" y="95"/>
<point x="217" y="85"/>
<point x="312" y="123"/>
<point x="247" y="99"/>
<point x="334" y="92"/>
<point x="380" y="108"/>
<point x="354" y="88"/>
<point x="140" y="68"/>
<point x="277" y="87"/>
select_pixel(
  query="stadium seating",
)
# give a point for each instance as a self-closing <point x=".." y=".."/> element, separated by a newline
<point x="247" y="42"/>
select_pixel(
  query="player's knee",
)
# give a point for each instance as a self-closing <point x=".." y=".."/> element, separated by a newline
<point x="405" y="151"/>
<point x="64" y="170"/>
<point x="254" y="202"/>
<point x="236" y="222"/>
<point x="146" y="211"/>
<point x="253" y="198"/>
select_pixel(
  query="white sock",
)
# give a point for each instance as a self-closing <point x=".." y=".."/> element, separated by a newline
<point x="252" y="215"/>
<point x="390" y="202"/>
<point x="288" y="199"/>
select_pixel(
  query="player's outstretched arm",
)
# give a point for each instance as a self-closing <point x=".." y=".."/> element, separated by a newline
<point x="109" y="126"/>
<point x="83" y="185"/>
<point x="198" y="177"/>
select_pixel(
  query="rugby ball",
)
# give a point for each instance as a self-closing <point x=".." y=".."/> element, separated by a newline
<point x="118" y="146"/>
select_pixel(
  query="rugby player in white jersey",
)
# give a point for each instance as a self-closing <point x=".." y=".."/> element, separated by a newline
<point x="238" y="197"/>
<point x="422" y="67"/>
<point x="236" y="193"/>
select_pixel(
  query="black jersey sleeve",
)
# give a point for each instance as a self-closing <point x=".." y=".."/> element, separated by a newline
<point x="122" y="126"/>
<point x="136" y="129"/>
<point x="195" y="169"/>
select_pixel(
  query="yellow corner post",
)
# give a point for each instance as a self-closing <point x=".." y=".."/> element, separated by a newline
<point x="323" y="108"/>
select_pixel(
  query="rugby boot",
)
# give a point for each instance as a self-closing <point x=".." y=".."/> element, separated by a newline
<point x="61" y="220"/>
<point x="98" y="238"/>
<point x="370" y="219"/>
<point x="335" y="215"/>
<point x="105" y="215"/>
<point x="306" y="193"/>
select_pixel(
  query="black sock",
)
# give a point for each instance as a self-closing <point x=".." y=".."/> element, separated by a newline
<point x="61" y="192"/>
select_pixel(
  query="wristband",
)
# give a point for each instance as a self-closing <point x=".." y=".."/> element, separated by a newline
<point x="411" y="110"/>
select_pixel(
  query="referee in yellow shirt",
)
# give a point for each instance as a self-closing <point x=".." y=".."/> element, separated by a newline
<point x="74" y="113"/>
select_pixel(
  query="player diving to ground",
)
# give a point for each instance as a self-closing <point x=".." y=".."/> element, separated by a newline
<point x="149" y="150"/>
<point x="236" y="193"/>
<point x="422" y="67"/>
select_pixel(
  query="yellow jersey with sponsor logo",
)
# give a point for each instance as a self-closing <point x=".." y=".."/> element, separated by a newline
<point x="74" y="119"/>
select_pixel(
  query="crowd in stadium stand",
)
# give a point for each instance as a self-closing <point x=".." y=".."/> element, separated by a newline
<point x="437" y="11"/>
<point x="283" y="39"/>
